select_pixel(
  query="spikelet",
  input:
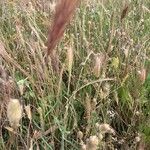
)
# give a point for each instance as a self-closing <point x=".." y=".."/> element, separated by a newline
<point x="28" y="112"/>
<point x="99" y="60"/>
<point x="70" y="58"/>
<point x="83" y="147"/>
<point x="137" y="139"/>
<point x="63" y="13"/>
<point x="21" y="86"/>
<point x="124" y="12"/>
<point x="52" y="6"/>
<point x="92" y="143"/>
<point x="80" y="135"/>
<point x="142" y="75"/>
<point x="88" y="111"/>
<point x="115" y="62"/>
<point x="14" y="112"/>
<point x="105" y="128"/>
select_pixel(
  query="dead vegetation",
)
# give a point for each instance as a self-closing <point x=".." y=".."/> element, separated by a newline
<point x="93" y="91"/>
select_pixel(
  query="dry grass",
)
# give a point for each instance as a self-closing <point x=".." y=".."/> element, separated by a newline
<point x="98" y="95"/>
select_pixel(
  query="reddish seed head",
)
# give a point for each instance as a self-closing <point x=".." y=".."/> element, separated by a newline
<point x="64" y="11"/>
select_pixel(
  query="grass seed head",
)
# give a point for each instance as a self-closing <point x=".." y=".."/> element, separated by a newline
<point x="14" y="112"/>
<point x="98" y="63"/>
<point x="80" y="135"/>
<point x="83" y="147"/>
<point x="105" y="128"/>
<point x="63" y="13"/>
<point x="28" y="111"/>
<point x="92" y="143"/>
<point x="137" y="139"/>
<point x="70" y="58"/>
<point x="142" y="75"/>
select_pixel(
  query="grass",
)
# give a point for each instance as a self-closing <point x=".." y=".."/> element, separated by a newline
<point x="102" y="78"/>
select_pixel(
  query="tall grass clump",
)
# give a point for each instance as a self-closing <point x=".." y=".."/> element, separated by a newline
<point x="92" y="91"/>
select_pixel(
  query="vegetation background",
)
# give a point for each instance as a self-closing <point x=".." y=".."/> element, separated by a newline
<point x="100" y="99"/>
